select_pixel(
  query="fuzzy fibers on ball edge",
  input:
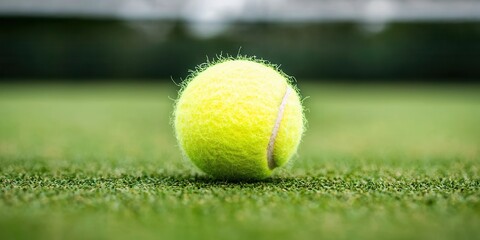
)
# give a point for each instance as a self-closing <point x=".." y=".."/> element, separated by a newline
<point x="239" y="119"/>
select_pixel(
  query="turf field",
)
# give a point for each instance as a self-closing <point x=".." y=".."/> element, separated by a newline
<point x="377" y="162"/>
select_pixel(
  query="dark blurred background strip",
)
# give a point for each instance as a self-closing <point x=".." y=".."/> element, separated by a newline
<point x="146" y="40"/>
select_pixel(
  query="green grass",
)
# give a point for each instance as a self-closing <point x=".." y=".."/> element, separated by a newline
<point x="101" y="162"/>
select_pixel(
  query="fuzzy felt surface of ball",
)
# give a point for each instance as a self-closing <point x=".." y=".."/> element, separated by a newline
<point x="238" y="119"/>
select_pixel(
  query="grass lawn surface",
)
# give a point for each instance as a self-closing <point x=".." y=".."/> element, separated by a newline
<point x="377" y="162"/>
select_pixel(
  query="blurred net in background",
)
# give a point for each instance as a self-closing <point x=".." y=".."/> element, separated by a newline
<point x="158" y="39"/>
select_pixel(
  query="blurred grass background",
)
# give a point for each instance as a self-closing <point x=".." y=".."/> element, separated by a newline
<point x="82" y="162"/>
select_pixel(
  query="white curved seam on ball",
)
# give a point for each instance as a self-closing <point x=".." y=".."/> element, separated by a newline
<point x="273" y="136"/>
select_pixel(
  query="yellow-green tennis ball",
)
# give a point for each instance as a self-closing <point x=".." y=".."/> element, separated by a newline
<point x="239" y="119"/>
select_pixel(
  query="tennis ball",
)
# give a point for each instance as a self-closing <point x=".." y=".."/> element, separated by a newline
<point x="238" y="118"/>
